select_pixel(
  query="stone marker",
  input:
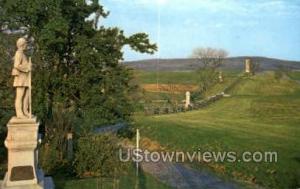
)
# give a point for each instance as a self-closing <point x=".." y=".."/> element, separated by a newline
<point x="248" y="65"/>
<point x="221" y="77"/>
<point x="187" y="100"/>
<point x="22" y="132"/>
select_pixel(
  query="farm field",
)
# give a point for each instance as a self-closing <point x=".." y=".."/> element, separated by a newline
<point x="262" y="114"/>
<point x="173" y="85"/>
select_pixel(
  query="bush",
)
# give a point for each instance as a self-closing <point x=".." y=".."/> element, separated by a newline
<point x="97" y="156"/>
<point x="128" y="131"/>
<point x="147" y="111"/>
<point x="156" y="111"/>
<point x="48" y="158"/>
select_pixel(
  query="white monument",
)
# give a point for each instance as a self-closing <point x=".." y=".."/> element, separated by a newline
<point x="221" y="77"/>
<point x="248" y="65"/>
<point x="187" y="100"/>
<point x="22" y="136"/>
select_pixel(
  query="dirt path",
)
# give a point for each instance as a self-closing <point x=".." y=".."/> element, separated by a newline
<point x="109" y="128"/>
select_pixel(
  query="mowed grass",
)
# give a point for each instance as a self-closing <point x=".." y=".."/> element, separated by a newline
<point x="228" y="79"/>
<point x="128" y="181"/>
<point x="185" y="77"/>
<point x="176" y="77"/>
<point x="295" y="75"/>
<point x="263" y="115"/>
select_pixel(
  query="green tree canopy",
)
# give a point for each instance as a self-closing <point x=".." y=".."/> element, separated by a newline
<point x="7" y="48"/>
<point x="76" y="63"/>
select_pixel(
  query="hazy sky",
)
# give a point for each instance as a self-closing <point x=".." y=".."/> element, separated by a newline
<point x="242" y="27"/>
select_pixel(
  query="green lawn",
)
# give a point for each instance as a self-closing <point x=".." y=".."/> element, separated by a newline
<point x="295" y="75"/>
<point x="263" y="114"/>
<point x="128" y="181"/>
<point x="167" y="77"/>
<point x="177" y="77"/>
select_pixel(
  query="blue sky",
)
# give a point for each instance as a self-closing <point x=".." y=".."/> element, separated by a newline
<point x="242" y="27"/>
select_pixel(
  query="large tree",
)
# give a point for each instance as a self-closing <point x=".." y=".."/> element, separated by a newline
<point x="7" y="46"/>
<point x="78" y="79"/>
<point x="76" y="62"/>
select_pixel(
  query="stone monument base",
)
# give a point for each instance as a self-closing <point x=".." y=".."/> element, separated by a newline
<point x="47" y="183"/>
<point x="23" y="171"/>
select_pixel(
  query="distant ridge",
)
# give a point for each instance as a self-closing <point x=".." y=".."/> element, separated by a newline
<point x="231" y="63"/>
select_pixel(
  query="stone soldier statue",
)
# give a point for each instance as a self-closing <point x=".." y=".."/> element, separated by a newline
<point x="22" y="81"/>
<point x="23" y="171"/>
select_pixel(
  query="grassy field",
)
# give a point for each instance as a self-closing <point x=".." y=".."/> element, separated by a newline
<point x="128" y="181"/>
<point x="263" y="114"/>
<point x="295" y="75"/>
<point x="181" y="78"/>
<point x="184" y="77"/>
<point x="167" y="77"/>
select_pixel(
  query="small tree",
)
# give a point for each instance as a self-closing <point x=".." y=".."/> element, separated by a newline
<point x="209" y="59"/>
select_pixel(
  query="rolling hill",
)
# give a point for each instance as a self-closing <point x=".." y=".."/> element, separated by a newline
<point x="261" y="115"/>
<point x="231" y="63"/>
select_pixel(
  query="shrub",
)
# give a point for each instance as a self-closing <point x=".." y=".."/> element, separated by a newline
<point x="97" y="156"/>
<point x="53" y="151"/>
<point x="156" y="111"/>
<point x="128" y="131"/>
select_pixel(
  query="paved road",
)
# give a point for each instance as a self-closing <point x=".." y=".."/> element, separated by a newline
<point x="177" y="175"/>
<point x="109" y="128"/>
<point x="183" y="177"/>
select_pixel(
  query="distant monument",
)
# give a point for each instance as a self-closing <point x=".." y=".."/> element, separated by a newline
<point x="221" y="80"/>
<point x="248" y="66"/>
<point x="22" y="136"/>
<point x="187" y="100"/>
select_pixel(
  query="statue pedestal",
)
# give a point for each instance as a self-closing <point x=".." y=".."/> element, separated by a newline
<point x="21" y="142"/>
